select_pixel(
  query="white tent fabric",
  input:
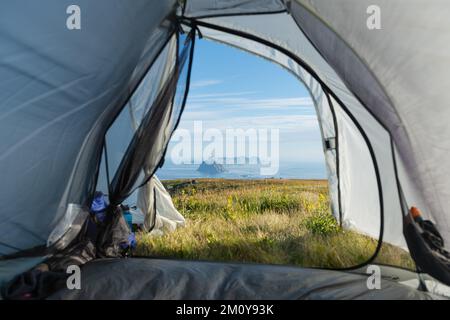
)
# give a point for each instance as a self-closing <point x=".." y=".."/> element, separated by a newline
<point x="156" y="204"/>
<point x="358" y="182"/>
<point x="208" y="8"/>
<point x="401" y="74"/>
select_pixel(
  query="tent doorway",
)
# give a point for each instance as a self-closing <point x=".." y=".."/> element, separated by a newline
<point x="233" y="212"/>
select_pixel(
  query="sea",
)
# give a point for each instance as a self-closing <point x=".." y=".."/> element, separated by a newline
<point x="287" y="170"/>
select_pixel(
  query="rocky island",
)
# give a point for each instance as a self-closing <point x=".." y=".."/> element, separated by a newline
<point x="211" y="168"/>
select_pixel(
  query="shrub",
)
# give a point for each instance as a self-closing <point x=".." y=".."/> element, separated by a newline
<point x="322" y="224"/>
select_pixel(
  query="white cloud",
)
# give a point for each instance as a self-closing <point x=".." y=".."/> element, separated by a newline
<point x="307" y="124"/>
<point x="205" y="83"/>
<point x="219" y="94"/>
<point x="222" y="101"/>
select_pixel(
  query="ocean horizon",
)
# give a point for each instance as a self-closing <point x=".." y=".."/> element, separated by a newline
<point x="287" y="170"/>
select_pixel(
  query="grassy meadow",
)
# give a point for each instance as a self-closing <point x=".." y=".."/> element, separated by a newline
<point x="270" y="221"/>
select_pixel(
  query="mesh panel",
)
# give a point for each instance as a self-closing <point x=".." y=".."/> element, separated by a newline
<point x="154" y="116"/>
<point x="121" y="133"/>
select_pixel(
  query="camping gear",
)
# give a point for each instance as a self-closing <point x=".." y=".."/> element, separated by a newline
<point x="129" y="245"/>
<point x="429" y="231"/>
<point x="98" y="215"/>
<point x="35" y="284"/>
<point x="160" y="213"/>
<point x="99" y="206"/>
<point x="113" y="235"/>
<point x="127" y="215"/>
<point x="427" y="245"/>
<point x="102" y="102"/>
<point x="138" y="218"/>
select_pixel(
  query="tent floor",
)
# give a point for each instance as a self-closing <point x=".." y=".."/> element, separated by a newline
<point x="145" y="278"/>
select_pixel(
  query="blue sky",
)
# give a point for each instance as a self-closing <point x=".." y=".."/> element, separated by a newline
<point x="233" y="89"/>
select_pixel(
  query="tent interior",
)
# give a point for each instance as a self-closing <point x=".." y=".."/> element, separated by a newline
<point x="94" y="109"/>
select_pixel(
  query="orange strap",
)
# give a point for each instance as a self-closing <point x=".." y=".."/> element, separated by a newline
<point x="415" y="212"/>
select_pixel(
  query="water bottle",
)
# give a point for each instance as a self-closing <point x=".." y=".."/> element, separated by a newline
<point x="127" y="216"/>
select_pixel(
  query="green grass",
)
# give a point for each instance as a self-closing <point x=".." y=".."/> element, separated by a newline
<point x="263" y="221"/>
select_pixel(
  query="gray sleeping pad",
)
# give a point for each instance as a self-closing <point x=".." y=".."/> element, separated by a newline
<point x="144" y="278"/>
